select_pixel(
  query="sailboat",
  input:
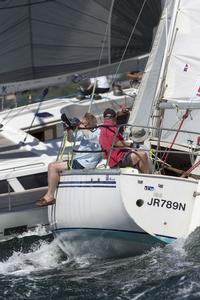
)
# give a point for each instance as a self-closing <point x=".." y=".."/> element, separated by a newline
<point x="121" y="212"/>
<point x="43" y="43"/>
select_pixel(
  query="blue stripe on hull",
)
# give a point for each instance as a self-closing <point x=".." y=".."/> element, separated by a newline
<point x="88" y="182"/>
<point x="88" y="186"/>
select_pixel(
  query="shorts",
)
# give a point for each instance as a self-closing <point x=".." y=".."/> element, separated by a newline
<point x="126" y="161"/>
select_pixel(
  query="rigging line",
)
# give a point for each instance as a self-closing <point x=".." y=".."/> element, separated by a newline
<point x="185" y="116"/>
<point x="44" y="93"/>
<point x="171" y="36"/>
<point x="187" y="173"/>
<point x="102" y="48"/>
<point x="132" y="32"/>
<point x="17" y="113"/>
<point x="99" y="63"/>
<point x="104" y="40"/>
<point x="31" y="40"/>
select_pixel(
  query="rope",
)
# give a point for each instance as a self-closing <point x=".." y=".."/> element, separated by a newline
<point x="5" y="119"/>
<point x="133" y="30"/>
<point x="165" y="155"/>
<point x="16" y="114"/>
<point x="73" y="147"/>
<point x="62" y="147"/>
<point x="44" y="93"/>
<point x="186" y="173"/>
<point x="102" y="48"/>
<point x="103" y="45"/>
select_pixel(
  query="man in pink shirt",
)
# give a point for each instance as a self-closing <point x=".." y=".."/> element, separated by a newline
<point x="122" y="155"/>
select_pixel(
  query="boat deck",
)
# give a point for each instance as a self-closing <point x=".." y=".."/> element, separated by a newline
<point x="9" y="150"/>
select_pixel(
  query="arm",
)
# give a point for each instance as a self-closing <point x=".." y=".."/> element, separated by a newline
<point x="79" y="134"/>
<point x="90" y="86"/>
<point x="122" y="143"/>
<point x="92" y="82"/>
<point x="70" y="135"/>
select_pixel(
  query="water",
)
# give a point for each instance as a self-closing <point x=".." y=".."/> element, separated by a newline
<point x="33" y="267"/>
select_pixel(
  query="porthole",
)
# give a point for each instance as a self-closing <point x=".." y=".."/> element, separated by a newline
<point x="139" y="202"/>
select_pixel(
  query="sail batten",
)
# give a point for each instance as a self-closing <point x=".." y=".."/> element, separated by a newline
<point x="41" y="39"/>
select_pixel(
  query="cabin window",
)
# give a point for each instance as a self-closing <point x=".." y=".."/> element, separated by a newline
<point x="46" y="134"/>
<point x="38" y="135"/>
<point x="5" y="187"/>
<point x="49" y="134"/>
<point x="33" y="181"/>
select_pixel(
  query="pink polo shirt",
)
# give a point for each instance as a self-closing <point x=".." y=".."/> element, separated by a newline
<point x="106" y="140"/>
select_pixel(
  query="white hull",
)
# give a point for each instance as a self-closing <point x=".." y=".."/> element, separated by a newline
<point x="19" y="213"/>
<point x="23" y="180"/>
<point x="99" y="212"/>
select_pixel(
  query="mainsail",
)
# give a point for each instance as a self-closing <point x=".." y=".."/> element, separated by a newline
<point x="146" y="97"/>
<point x="43" y="39"/>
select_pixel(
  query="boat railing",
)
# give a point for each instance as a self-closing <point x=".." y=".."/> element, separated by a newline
<point x="27" y="166"/>
<point x="158" y="146"/>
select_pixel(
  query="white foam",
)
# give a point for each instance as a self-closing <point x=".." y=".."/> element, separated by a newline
<point x="39" y="231"/>
<point x="40" y="257"/>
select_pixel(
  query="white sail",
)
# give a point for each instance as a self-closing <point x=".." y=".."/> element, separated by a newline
<point x="183" y="72"/>
<point x="147" y="92"/>
<point x="172" y="75"/>
<point x="182" y="82"/>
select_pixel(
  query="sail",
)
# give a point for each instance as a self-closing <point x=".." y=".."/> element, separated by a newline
<point x="52" y="38"/>
<point x="182" y="82"/>
<point x="172" y="77"/>
<point x="144" y="103"/>
<point x="183" y="71"/>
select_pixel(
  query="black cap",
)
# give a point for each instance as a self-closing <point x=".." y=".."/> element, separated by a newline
<point x="109" y="113"/>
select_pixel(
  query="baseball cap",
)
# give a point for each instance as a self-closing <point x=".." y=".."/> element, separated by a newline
<point x="109" y="113"/>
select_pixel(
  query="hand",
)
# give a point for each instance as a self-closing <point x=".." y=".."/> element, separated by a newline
<point x="131" y="145"/>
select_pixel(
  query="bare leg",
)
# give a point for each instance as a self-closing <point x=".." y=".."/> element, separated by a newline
<point x="140" y="158"/>
<point x="143" y="163"/>
<point x="54" y="170"/>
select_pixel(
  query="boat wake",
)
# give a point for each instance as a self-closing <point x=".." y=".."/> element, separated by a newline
<point x="35" y="263"/>
<point x="40" y="256"/>
<point x="34" y="252"/>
